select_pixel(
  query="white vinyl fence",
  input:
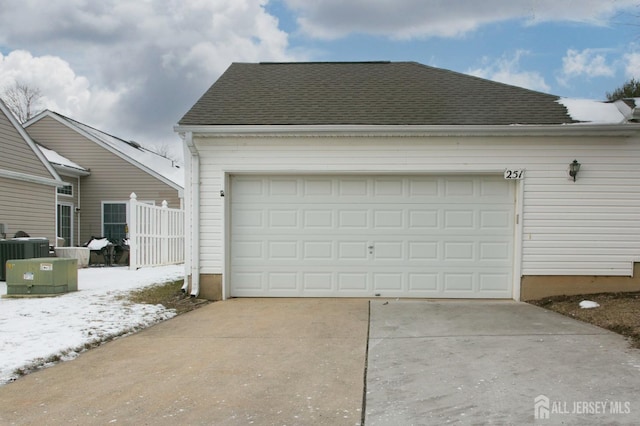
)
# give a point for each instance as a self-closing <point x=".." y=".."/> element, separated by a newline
<point x="156" y="234"/>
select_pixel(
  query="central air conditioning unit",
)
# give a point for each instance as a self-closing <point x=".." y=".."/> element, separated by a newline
<point x="37" y="277"/>
<point x="21" y="248"/>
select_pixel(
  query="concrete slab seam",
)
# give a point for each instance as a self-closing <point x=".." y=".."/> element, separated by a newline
<point x="366" y="365"/>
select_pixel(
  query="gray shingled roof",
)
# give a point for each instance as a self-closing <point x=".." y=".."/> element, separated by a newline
<point x="366" y="93"/>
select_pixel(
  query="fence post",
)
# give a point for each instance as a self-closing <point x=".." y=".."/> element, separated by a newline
<point x="164" y="226"/>
<point x="133" y="232"/>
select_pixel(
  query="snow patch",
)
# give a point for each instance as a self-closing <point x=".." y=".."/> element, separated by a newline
<point x="167" y="168"/>
<point x="55" y="158"/>
<point x="40" y="331"/>
<point x="98" y="244"/>
<point x="590" y="111"/>
<point x="588" y="304"/>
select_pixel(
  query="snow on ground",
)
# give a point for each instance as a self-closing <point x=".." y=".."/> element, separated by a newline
<point x="34" y="330"/>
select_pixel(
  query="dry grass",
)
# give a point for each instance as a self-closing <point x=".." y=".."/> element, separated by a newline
<point x="168" y="295"/>
<point x="618" y="312"/>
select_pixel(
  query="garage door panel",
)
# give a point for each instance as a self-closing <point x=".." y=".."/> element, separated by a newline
<point x="421" y="282"/>
<point x="414" y="236"/>
<point x="322" y="219"/>
<point x="390" y="219"/>
<point x="317" y="187"/>
<point x="422" y="251"/>
<point x="352" y="281"/>
<point x="287" y="187"/>
<point x="498" y="283"/>
<point x="423" y="186"/>
<point x="353" y="250"/>
<point x="496" y="188"/>
<point x="388" y="187"/>
<point x="460" y="187"/>
<point x="459" y="251"/>
<point x="459" y="219"/>
<point x="353" y="219"/>
<point x="353" y="187"/>
<point x="423" y="219"/>
<point x="495" y="251"/>
<point x="282" y="281"/>
<point x="459" y="283"/>
<point x="386" y="281"/>
<point x="317" y="281"/>
<point x="318" y="250"/>
<point x="495" y="219"/>
<point x="283" y="218"/>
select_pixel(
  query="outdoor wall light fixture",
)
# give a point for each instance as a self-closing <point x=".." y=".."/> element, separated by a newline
<point x="574" y="168"/>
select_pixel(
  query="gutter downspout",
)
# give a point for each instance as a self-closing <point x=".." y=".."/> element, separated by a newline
<point x="194" y="215"/>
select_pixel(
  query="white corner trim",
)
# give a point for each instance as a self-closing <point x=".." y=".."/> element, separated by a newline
<point x="193" y="206"/>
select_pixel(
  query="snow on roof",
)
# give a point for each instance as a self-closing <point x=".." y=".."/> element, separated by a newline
<point x="57" y="159"/>
<point x="591" y="111"/>
<point x="165" y="167"/>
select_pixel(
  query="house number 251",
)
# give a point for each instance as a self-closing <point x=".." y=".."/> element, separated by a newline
<point x="513" y="174"/>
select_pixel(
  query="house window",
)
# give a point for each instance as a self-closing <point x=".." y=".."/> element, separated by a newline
<point x="65" y="190"/>
<point x="114" y="219"/>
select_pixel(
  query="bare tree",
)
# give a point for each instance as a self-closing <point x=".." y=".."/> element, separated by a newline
<point x="23" y="100"/>
<point x="165" y="151"/>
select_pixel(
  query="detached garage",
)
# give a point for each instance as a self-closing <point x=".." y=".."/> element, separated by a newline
<point x="402" y="180"/>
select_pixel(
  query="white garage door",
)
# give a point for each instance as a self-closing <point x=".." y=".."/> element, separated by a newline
<point x="361" y="236"/>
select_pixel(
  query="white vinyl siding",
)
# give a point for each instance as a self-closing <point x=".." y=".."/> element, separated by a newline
<point x="587" y="227"/>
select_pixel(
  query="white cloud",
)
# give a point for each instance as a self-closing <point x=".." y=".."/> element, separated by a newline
<point x="507" y="70"/>
<point x="62" y="90"/>
<point x="588" y="62"/>
<point x="404" y="19"/>
<point x="632" y="65"/>
<point x="133" y="68"/>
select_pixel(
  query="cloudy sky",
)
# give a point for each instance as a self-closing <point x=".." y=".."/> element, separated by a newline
<point x="134" y="67"/>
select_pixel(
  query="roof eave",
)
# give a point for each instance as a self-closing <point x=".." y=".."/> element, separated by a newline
<point x="66" y="170"/>
<point x="577" y="129"/>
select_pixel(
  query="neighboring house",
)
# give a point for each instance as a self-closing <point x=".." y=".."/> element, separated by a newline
<point x="403" y="180"/>
<point x="27" y="183"/>
<point x="101" y="172"/>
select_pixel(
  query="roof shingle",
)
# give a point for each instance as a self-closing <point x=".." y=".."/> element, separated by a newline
<point x="366" y="93"/>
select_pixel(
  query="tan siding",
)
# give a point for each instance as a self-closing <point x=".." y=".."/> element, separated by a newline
<point x="15" y="154"/>
<point x="28" y="207"/>
<point x="587" y="227"/>
<point x="111" y="179"/>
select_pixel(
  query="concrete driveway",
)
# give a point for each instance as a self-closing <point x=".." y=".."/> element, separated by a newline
<point x="302" y="362"/>
<point x="489" y="362"/>
<point x="238" y="362"/>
